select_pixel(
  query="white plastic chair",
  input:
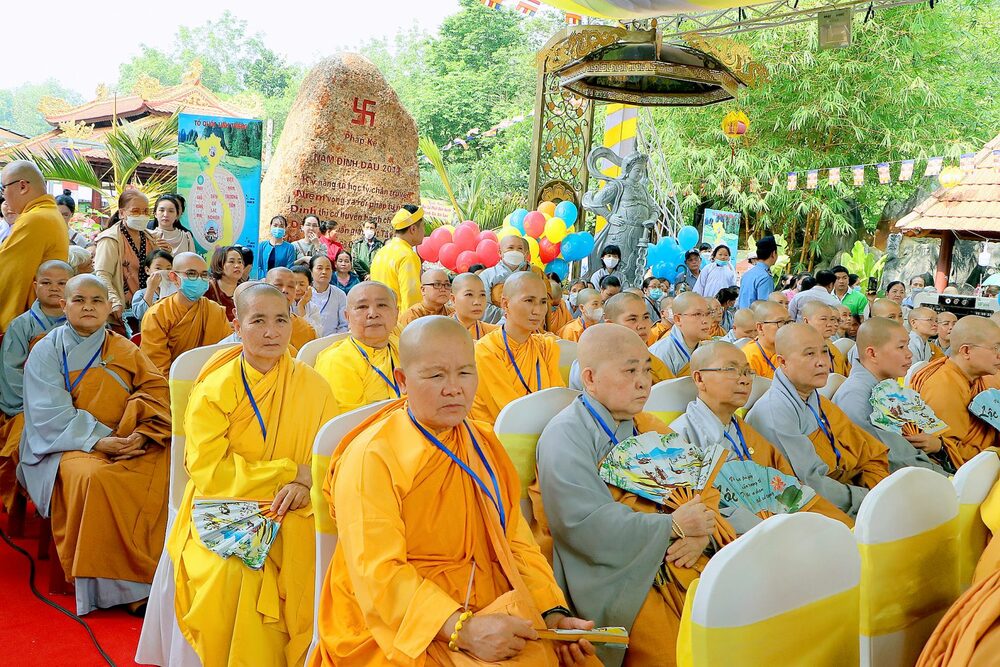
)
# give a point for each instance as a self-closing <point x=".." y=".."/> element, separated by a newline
<point x="760" y="386"/>
<point x="784" y="593"/>
<point x="907" y="534"/>
<point x="913" y="370"/>
<point x="311" y="350"/>
<point x="973" y="483"/>
<point x="567" y="355"/>
<point x="844" y="345"/>
<point x="668" y="400"/>
<point x="327" y="440"/>
<point x="832" y="385"/>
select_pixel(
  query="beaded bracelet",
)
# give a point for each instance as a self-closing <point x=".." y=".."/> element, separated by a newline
<point x="453" y="643"/>
<point x="677" y="530"/>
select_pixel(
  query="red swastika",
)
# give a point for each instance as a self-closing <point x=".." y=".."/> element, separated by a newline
<point x="364" y="112"/>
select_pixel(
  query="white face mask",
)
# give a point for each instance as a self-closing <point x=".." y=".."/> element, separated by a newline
<point x="513" y="258"/>
<point x="595" y="314"/>
<point x="167" y="288"/>
<point x="369" y="234"/>
<point x="610" y="262"/>
<point x="136" y="222"/>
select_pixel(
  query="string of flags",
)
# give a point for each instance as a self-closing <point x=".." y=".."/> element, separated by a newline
<point x="856" y="173"/>
<point x="475" y="134"/>
<point x="530" y="8"/>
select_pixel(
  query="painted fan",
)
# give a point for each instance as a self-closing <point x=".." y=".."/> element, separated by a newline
<point x="652" y="465"/>
<point x="245" y="529"/>
<point x="902" y="411"/>
<point x="760" y="489"/>
<point x="986" y="406"/>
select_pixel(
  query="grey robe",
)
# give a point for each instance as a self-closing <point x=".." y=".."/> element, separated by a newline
<point x="786" y="422"/>
<point x="920" y="348"/>
<point x="492" y="277"/>
<point x="853" y="398"/>
<point x="672" y="350"/>
<point x="14" y="352"/>
<point x="605" y="555"/>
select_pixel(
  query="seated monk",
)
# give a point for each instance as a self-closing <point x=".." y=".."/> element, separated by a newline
<point x="724" y="380"/>
<point x="94" y="451"/>
<point x="515" y="256"/>
<point x="591" y="312"/>
<point x="968" y="634"/>
<point x="250" y="437"/>
<point x="948" y="385"/>
<point x="513" y="361"/>
<point x="558" y="315"/>
<point x="769" y="318"/>
<point x="45" y="314"/>
<point x="886" y="308"/>
<point x="360" y="369"/>
<point x="430" y="530"/>
<point x="628" y="310"/>
<point x="284" y="280"/>
<point x="715" y="313"/>
<point x="435" y="291"/>
<point x="778" y="297"/>
<point x="825" y="319"/>
<point x="661" y="328"/>
<point x="186" y="319"/>
<point x="946" y="322"/>
<point x="826" y="450"/>
<point x="692" y="326"/>
<point x="923" y="327"/>
<point x="744" y="326"/>
<point x="885" y="356"/>
<point x="621" y="560"/>
<point x="469" y="296"/>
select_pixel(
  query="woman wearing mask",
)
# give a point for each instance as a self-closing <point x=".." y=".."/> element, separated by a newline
<point x="227" y="273"/>
<point x="157" y="264"/>
<point x="67" y="207"/>
<point x="611" y="257"/>
<point x="274" y="250"/>
<point x="571" y="297"/>
<point x="652" y="292"/>
<point x="718" y="275"/>
<point x="345" y="278"/>
<point x="310" y="246"/>
<point x="167" y="212"/>
<point x="332" y="302"/>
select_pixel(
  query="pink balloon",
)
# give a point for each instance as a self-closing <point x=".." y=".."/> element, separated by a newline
<point x="428" y="250"/>
<point x="466" y="236"/>
<point x="488" y="234"/>
<point x="534" y="224"/>
<point x="470" y="223"/>
<point x="466" y="259"/>
<point x="448" y="256"/>
<point x="488" y="251"/>
<point x="441" y="236"/>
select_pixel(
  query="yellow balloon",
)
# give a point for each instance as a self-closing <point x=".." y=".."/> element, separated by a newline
<point x="548" y="216"/>
<point x="548" y="208"/>
<point x="533" y="245"/>
<point x="507" y="231"/>
<point x="555" y="230"/>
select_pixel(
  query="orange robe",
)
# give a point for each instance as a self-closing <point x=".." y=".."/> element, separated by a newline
<point x="537" y="359"/>
<point x="761" y="363"/>
<point x="171" y="327"/>
<point x="411" y="524"/>
<point x="968" y="634"/>
<point x="419" y="310"/>
<point x="573" y="330"/>
<point x="864" y="460"/>
<point x="838" y="362"/>
<point x="948" y="392"/>
<point x="479" y="329"/>
<point x="717" y="331"/>
<point x="302" y="332"/>
<point x="936" y="351"/>
<point x="659" y="330"/>
<point x="558" y="316"/>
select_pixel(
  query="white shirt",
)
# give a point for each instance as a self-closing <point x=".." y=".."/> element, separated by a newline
<point x="330" y="311"/>
<point x="816" y="293"/>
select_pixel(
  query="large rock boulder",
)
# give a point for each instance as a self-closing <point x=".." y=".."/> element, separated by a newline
<point x="348" y="151"/>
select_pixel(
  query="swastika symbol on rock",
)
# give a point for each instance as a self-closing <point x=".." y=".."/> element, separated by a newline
<point x="364" y="112"/>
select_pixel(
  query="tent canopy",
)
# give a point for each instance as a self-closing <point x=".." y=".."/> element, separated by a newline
<point x="640" y="9"/>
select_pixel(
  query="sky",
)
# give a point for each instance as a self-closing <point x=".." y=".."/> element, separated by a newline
<point x="82" y="45"/>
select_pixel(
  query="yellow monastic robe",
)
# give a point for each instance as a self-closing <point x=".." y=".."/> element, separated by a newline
<point x="302" y="332"/>
<point x="573" y="330"/>
<point x="968" y="634"/>
<point x="479" y="329"/>
<point x="397" y="266"/>
<point x="717" y="331"/>
<point x="230" y="614"/>
<point x="558" y="316"/>
<point x="537" y="359"/>
<point x="353" y="379"/>
<point x="838" y="362"/>
<point x="936" y="351"/>
<point x="761" y="363"/>
<point x="661" y="371"/>
<point x="864" y="460"/>
<point x="419" y="310"/>
<point x="659" y="330"/>
<point x="411" y="525"/>
<point x="171" y="327"/>
<point x="948" y="391"/>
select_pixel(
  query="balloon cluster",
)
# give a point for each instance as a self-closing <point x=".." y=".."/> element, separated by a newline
<point x="458" y="248"/>
<point x="550" y="236"/>
<point x="667" y="255"/>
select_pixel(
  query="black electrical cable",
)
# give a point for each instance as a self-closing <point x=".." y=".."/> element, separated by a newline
<point x="31" y="583"/>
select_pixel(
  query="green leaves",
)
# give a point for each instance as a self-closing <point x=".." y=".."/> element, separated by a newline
<point x="861" y="261"/>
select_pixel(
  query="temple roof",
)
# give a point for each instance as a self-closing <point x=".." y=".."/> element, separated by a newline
<point x="10" y="137"/>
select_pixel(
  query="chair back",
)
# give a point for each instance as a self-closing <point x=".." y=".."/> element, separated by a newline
<point x="669" y="399"/>
<point x="760" y="386"/>
<point x="832" y="385"/>
<point x="973" y="483"/>
<point x="567" y="355"/>
<point x="785" y="592"/>
<point x="907" y="534"/>
<point x="913" y="370"/>
<point x="311" y="350"/>
<point x="844" y="345"/>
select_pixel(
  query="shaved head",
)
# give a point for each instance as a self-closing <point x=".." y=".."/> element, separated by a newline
<point x="888" y="309"/>
<point x="995" y="318"/>
<point x="23" y="183"/>
<point x="76" y="283"/>
<point x="803" y="357"/>
<point x="629" y="310"/>
<point x="705" y="356"/>
<point x="922" y="312"/>
<point x="284" y="279"/>
<point x="274" y="274"/>
<point x="525" y="303"/>
<point x="86" y="304"/>
<point x="768" y="310"/>
<point x="975" y="346"/>
<point x="463" y="280"/>
<point x="814" y="308"/>
<point x="616" y="305"/>
<point x="249" y="294"/>
<point x="723" y="391"/>
<point x="794" y="336"/>
<point x="689" y="302"/>
<point x="779" y="298"/>
<point x="23" y="170"/>
<point x="877" y="331"/>
<point x="974" y="330"/>
<point x="555" y="288"/>
<point x="54" y="265"/>
<point x="416" y="336"/>
<point x="372" y="287"/>
<point x="521" y="282"/>
<point x="744" y="324"/>
<point x="883" y="348"/>
<point x="821" y="317"/>
<point x="597" y="340"/>
<point x="189" y="261"/>
<point x="621" y="380"/>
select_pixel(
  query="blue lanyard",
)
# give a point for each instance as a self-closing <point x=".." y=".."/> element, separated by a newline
<point x="824" y="425"/>
<point x="329" y="295"/>
<point x="742" y="451"/>
<point x="39" y="320"/>
<point x="602" y="423"/>
<point x="495" y="496"/>
<point x="538" y="366"/>
<point x="478" y="335"/>
<point x="79" y="378"/>
<point x="764" y="354"/>
<point x="832" y="365"/>
<point x="392" y="366"/>
<point x="680" y="348"/>
<point x="253" y="403"/>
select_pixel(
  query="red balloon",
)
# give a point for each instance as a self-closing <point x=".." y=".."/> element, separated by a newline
<point x="547" y="250"/>
<point x="441" y="236"/>
<point x="469" y="223"/>
<point x="428" y="250"/>
<point x="534" y="224"/>
<point x="488" y="251"/>
<point x="488" y="234"/>
<point x="448" y="256"/>
<point x="466" y="236"/>
<point x="466" y="259"/>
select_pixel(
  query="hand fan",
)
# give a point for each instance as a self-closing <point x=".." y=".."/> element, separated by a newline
<point x="245" y="529"/>
<point x="986" y="406"/>
<point x="612" y="636"/>
<point x="893" y="407"/>
<point x="759" y="488"/>
<point x="650" y="465"/>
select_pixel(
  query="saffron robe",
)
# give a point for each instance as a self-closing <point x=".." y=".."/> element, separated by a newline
<point x="172" y="326"/>
<point x="674" y="352"/>
<point x="478" y="329"/>
<point x="419" y="310"/>
<point x="659" y="330"/>
<point x="230" y="614"/>
<point x="838" y="362"/>
<point x="354" y="380"/>
<point x="108" y="517"/>
<point x="762" y="363"/>
<point x="608" y="545"/>
<point x="412" y="525"/>
<point x="573" y="330"/>
<point x="717" y="331"/>
<point x="558" y="316"/>
<point x="793" y="426"/>
<point x="948" y="391"/>
<point x="397" y="266"/>
<point x="968" y="635"/>
<point x="498" y="380"/>
<point x="302" y="332"/>
<point x="38" y="235"/>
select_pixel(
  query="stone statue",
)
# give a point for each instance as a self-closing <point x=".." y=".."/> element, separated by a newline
<point x="628" y="207"/>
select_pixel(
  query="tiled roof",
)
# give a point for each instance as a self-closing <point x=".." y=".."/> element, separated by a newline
<point x="192" y="96"/>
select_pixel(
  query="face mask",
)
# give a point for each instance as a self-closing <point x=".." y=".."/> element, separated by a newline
<point x="278" y="233"/>
<point x="136" y="222"/>
<point x="369" y="234"/>
<point x="167" y="288"/>
<point x="595" y="314"/>
<point x="513" y="258"/>
<point x="656" y="294"/>
<point x="194" y="288"/>
<point x="610" y="262"/>
<point x="720" y="262"/>
<point x="572" y="299"/>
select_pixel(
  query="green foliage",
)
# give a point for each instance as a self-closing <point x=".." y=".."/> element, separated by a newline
<point x="862" y="261"/>
<point x="19" y="106"/>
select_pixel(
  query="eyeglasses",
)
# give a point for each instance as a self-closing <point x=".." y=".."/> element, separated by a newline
<point x="699" y="315"/>
<point x="194" y="275"/>
<point x="3" y="186"/>
<point x="780" y="323"/>
<point x="923" y="319"/>
<point x="732" y="372"/>
<point x="138" y="210"/>
<point x="995" y="349"/>
<point x="437" y="285"/>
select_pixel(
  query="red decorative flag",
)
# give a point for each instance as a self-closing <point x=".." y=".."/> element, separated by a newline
<point x="573" y="19"/>
<point x="528" y="7"/>
<point x="812" y="179"/>
<point x="859" y="175"/>
<point x="906" y="170"/>
<point x="793" y="180"/>
<point x="833" y="175"/>
<point x="933" y="166"/>
<point x="493" y="4"/>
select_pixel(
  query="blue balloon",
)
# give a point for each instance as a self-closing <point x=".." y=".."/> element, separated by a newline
<point x="655" y="254"/>
<point x="670" y="243"/>
<point x="517" y="219"/>
<point x="567" y="212"/>
<point x="577" y="246"/>
<point x="662" y="270"/>
<point x="688" y="237"/>
<point x="588" y="242"/>
<point x="559" y="267"/>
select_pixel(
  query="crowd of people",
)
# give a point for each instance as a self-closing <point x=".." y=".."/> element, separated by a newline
<point x="438" y="560"/>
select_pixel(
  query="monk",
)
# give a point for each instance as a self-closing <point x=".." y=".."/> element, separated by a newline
<point x="825" y="319"/>
<point x="250" y="423"/>
<point x="744" y="326"/>
<point x="692" y="326"/>
<point x="435" y="290"/>
<point x="359" y="369"/>
<point x="591" y="312"/>
<point x="923" y="327"/>
<point x="826" y="450"/>
<point x="94" y="452"/>
<point x="45" y="314"/>
<point x="724" y="379"/>
<point x="186" y="319"/>
<point x="284" y="280"/>
<point x="469" y="296"/>
<point x="885" y="355"/>
<point x="397" y="264"/>
<point x="559" y="314"/>
<point x="968" y="635"/>
<point x="515" y="256"/>
<point x="715" y="312"/>
<point x="948" y="385"/>
<point x="38" y="235"/>
<point x="886" y="308"/>
<point x="621" y="560"/>
<point x="425" y="543"/>
<point x="778" y="297"/>
<point x="661" y="328"/>
<point x="513" y="361"/>
<point x="769" y="318"/>
<point x="946" y="322"/>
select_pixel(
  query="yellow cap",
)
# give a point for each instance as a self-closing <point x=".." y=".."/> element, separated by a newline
<point x="404" y="218"/>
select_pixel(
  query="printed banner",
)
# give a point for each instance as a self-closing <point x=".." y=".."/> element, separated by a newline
<point x="859" y="174"/>
<point x="793" y="180"/>
<point x="833" y="175"/>
<point x="906" y="170"/>
<point x="722" y="228"/>
<point x="812" y="179"/>
<point x="933" y="166"/>
<point x="884" y="175"/>
<point x="967" y="162"/>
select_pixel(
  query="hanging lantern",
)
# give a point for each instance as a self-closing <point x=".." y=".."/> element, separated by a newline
<point x="735" y="124"/>
<point x="950" y="177"/>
